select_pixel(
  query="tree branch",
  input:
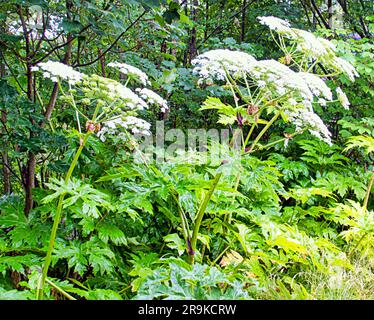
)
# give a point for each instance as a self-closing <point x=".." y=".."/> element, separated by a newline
<point x="113" y="44"/>
<point x="319" y="14"/>
<point x="221" y="27"/>
<point x="62" y="45"/>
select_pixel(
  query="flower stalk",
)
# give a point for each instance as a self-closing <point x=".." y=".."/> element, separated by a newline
<point x="200" y="215"/>
<point x="57" y="219"/>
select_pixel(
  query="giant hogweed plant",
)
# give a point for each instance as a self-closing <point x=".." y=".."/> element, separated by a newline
<point x="265" y="90"/>
<point x="107" y="108"/>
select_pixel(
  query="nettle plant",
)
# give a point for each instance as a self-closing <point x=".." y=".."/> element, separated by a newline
<point x="108" y="108"/>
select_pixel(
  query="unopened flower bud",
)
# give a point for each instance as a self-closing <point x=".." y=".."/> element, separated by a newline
<point x="86" y="101"/>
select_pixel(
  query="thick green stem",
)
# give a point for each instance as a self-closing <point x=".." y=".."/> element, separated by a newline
<point x="272" y="120"/>
<point x="184" y="221"/>
<point x="57" y="219"/>
<point x="249" y="135"/>
<point x="200" y="215"/>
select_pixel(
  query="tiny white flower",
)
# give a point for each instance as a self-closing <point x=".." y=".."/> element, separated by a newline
<point x="213" y="65"/>
<point x="275" y="23"/>
<point x="60" y="70"/>
<point x="286" y="143"/>
<point x="303" y="118"/>
<point x="261" y="83"/>
<point x="130" y="70"/>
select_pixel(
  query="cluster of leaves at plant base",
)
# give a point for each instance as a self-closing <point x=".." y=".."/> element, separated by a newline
<point x="105" y="223"/>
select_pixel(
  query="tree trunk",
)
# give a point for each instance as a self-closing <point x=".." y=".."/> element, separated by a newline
<point x="31" y="162"/>
<point x="331" y="11"/>
<point x="6" y="172"/>
<point x="192" y="43"/>
<point x="29" y="176"/>
<point x="102" y="62"/>
<point x="244" y="11"/>
<point x="206" y="19"/>
<point x="319" y="14"/>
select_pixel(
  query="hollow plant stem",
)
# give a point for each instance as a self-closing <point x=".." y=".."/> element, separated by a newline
<point x="57" y="219"/>
<point x="200" y="215"/>
<point x="272" y="120"/>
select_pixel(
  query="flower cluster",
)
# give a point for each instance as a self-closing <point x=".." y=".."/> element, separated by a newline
<point x="316" y="85"/>
<point x="51" y="30"/>
<point x="276" y="81"/>
<point x="304" y="118"/>
<point x="118" y="103"/>
<point x="279" y="78"/>
<point x="270" y="80"/>
<point x="311" y="47"/>
<point x="275" y="23"/>
<point x="56" y="70"/>
<point x="114" y="126"/>
<point x="345" y="67"/>
<point x="152" y="98"/>
<point x="118" y="92"/>
<point x="130" y="71"/>
<point x="214" y="64"/>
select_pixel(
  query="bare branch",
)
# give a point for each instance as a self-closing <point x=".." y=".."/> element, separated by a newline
<point x="113" y="44"/>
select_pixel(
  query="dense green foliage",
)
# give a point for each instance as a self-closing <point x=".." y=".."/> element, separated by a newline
<point x="286" y="216"/>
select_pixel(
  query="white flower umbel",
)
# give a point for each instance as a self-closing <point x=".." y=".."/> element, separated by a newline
<point x="130" y="71"/>
<point x="275" y="23"/>
<point x="152" y="98"/>
<point x="304" y="118"/>
<point x="280" y="78"/>
<point x="313" y="49"/>
<point x="212" y="65"/>
<point x="344" y="66"/>
<point x="138" y="125"/>
<point x="312" y="46"/>
<point x="343" y="99"/>
<point x="316" y="85"/>
<point x="113" y="127"/>
<point x="57" y="70"/>
<point x="118" y="91"/>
